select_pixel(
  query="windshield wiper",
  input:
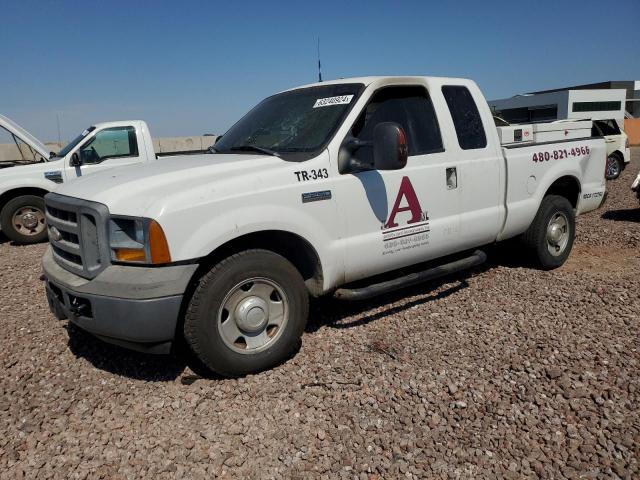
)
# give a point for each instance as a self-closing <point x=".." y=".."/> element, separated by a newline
<point x="254" y="148"/>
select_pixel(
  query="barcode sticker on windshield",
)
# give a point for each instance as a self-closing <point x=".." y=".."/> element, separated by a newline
<point x="339" y="100"/>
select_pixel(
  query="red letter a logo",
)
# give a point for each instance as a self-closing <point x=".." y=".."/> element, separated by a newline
<point x="413" y="205"/>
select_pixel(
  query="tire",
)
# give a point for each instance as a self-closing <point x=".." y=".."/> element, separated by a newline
<point x="553" y="230"/>
<point x="614" y="167"/>
<point x="225" y="323"/>
<point x="22" y="219"/>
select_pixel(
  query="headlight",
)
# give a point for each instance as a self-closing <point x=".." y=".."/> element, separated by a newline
<point x="137" y="240"/>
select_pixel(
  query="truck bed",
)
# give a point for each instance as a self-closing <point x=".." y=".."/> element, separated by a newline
<point x="519" y="134"/>
<point x="533" y="168"/>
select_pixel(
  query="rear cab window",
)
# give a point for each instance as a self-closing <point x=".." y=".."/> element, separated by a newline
<point x="466" y="117"/>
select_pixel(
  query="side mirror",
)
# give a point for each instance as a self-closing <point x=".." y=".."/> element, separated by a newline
<point x="390" y="150"/>
<point x="75" y="160"/>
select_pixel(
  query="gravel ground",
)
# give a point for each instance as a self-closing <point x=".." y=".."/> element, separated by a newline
<point x="504" y="372"/>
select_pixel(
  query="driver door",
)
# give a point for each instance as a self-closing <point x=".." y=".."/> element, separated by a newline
<point x="108" y="148"/>
<point x="396" y="218"/>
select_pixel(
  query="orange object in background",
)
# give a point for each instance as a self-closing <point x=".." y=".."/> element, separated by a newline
<point x="632" y="129"/>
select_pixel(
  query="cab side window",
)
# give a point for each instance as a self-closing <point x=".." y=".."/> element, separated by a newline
<point x="466" y="117"/>
<point x="411" y="108"/>
<point x="110" y="143"/>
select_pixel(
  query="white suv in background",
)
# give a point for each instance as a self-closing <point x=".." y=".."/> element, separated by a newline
<point x="618" y="153"/>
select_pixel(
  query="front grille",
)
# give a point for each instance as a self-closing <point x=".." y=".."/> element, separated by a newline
<point x="78" y="234"/>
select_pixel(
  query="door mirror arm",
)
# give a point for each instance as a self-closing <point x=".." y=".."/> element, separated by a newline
<point x="75" y="160"/>
<point x="347" y="163"/>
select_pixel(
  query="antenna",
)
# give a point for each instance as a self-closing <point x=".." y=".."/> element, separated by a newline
<point x="58" y="122"/>
<point x="319" y="66"/>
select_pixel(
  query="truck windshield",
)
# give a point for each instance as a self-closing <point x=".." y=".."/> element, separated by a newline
<point x="75" y="142"/>
<point x="294" y="125"/>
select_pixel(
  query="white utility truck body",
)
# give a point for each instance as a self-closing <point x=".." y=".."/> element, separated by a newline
<point x="605" y="107"/>
<point x="25" y="181"/>
<point x="343" y="180"/>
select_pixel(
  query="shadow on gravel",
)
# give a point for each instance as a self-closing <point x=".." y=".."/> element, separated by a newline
<point x="328" y="311"/>
<point x="628" y="215"/>
<point x="120" y="361"/>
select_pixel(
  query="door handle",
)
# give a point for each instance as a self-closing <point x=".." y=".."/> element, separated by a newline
<point x="452" y="178"/>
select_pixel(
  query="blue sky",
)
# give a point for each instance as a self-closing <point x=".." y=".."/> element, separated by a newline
<point x="189" y="68"/>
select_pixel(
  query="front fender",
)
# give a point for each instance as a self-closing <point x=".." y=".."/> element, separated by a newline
<point x="189" y="243"/>
<point x="29" y="176"/>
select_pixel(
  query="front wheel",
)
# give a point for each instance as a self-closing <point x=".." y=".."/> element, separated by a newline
<point x="247" y="314"/>
<point x="22" y="219"/>
<point x="550" y="236"/>
<point x="614" y="167"/>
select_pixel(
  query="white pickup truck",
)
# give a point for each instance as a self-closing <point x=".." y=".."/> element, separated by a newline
<point x="35" y="171"/>
<point x="317" y="190"/>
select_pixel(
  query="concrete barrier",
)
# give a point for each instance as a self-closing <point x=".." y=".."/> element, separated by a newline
<point x="632" y="129"/>
<point x="182" y="144"/>
<point x="9" y="151"/>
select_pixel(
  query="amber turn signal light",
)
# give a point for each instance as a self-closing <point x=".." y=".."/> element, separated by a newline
<point x="158" y="246"/>
<point x="130" y="254"/>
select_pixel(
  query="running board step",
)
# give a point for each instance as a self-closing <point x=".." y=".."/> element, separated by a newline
<point x="478" y="257"/>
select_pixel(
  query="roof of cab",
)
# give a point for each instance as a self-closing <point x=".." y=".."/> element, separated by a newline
<point x="118" y="123"/>
<point x="371" y="79"/>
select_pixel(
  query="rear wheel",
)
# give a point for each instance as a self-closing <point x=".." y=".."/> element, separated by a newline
<point x="550" y="236"/>
<point x="614" y="167"/>
<point x="247" y="314"/>
<point x="22" y="219"/>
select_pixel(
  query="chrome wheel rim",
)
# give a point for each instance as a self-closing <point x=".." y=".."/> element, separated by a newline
<point x="557" y="234"/>
<point x="253" y="315"/>
<point x="28" y="221"/>
<point x="613" y="167"/>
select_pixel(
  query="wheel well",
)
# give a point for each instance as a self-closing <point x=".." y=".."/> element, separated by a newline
<point x="291" y="246"/>
<point x="567" y="187"/>
<point x="618" y="153"/>
<point x="17" y="192"/>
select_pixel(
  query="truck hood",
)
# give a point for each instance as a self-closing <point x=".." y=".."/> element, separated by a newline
<point x="143" y="190"/>
<point x="23" y="135"/>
